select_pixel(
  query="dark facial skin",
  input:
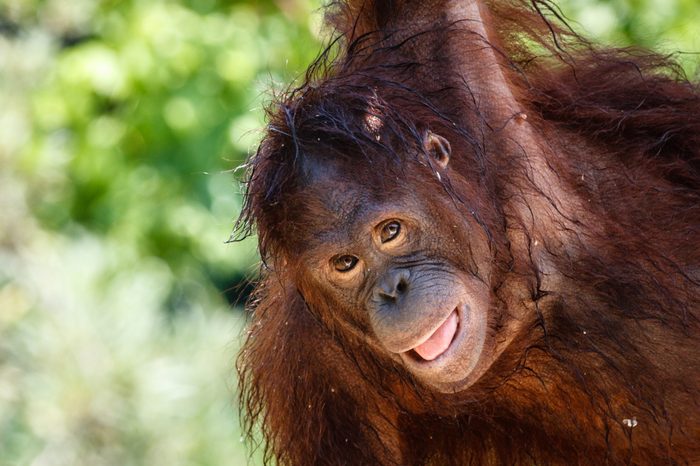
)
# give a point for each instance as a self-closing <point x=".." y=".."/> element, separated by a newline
<point x="386" y="266"/>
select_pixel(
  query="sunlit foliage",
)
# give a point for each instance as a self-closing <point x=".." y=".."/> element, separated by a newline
<point x="120" y="123"/>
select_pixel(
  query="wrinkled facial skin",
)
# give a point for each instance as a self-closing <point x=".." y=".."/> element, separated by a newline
<point x="414" y="271"/>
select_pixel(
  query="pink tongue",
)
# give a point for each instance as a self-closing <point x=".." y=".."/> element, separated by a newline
<point x="438" y="341"/>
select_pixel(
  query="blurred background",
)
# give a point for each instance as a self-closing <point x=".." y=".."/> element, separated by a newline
<point x="121" y="124"/>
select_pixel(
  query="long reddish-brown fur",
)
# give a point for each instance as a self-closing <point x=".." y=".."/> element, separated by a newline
<point x="608" y="371"/>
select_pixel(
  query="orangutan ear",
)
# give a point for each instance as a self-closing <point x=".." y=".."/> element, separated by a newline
<point x="437" y="147"/>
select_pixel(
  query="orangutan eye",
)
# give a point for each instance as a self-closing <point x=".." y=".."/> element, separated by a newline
<point x="344" y="263"/>
<point x="390" y="231"/>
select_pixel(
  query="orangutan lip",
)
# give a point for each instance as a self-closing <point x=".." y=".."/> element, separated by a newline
<point x="439" y="341"/>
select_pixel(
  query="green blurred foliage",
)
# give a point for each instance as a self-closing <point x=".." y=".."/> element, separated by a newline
<point x="120" y="125"/>
<point x="134" y="111"/>
<point x="668" y="26"/>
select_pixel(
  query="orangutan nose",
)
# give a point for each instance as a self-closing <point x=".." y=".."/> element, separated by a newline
<point x="392" y="286"/>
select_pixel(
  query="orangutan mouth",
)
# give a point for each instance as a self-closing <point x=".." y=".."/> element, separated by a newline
<point x="439" y="341"/>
